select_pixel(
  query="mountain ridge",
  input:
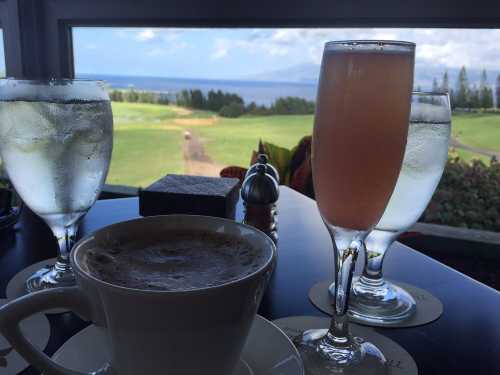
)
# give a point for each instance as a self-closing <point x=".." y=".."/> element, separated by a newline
<point x="424" y="75"/>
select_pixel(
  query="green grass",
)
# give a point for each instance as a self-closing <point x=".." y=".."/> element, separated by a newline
<point x="469" y="156"/>
<point x="231" y="141"/>
<point x="141" y="112"/>
<point x="151" y="113"/>
<point x="140" y="156"/>
<point x="478" y="130"/>
<point x="148" y="141"/>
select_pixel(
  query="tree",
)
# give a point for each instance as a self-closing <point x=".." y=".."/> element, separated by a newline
<point x="485" y="92"/>
<point x="147" y="97"/>
<point x="461" y="97"/>
<point x="232" y="98"/>
<point x="197" y="99"/>
<point x="435" y="86"/>
<point x="292" y="106"/>
<point x="119" y="96"/>
<point x="215" y="100"/>
<point x="131" y="96"/>
<point x="251" y="107"/>
<point x="232" y="110"/>
<point x="473" y="98"/>
<point x="163" y="98"/>
<point x="498" y="91"/>
<point x="116" y="96"/>
<point x="183" y="98"/>
<point x="451" y="93"/>
<point x="445" y="84"/>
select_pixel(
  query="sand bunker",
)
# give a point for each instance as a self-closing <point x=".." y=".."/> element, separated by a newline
<point x="196" y="121"/>
<point x="180" y="110"/>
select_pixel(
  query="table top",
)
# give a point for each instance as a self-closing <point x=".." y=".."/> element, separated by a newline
<point x="466" y="339"/>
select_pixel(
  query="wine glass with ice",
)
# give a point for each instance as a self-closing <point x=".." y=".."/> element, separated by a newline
<point x="375" y="300"/>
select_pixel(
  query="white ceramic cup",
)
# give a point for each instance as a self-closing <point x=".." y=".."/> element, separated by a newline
<point x="192" y="332"/>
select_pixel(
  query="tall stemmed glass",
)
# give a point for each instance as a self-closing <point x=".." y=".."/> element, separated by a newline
<point x="359" y="137"/>
<point x="374" y="299"/>
<point x="56" y="138"/>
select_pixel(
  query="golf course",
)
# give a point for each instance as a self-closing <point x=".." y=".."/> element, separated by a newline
<point x="151" y="140"/>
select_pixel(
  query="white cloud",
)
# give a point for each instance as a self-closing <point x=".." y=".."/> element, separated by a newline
<point x="167" y="50"/>
<point x="285" y="36"/>
<point x="171" y="35"/>
<point x="447" y="47"/>
<point x="315" y="54"/>
<point x="146" y="35"/>
<point x="384" y="35"/>
<point x="278" y="51"/>
<point x="221" y="49"/>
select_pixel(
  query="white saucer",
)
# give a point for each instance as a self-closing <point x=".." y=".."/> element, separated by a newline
<point x="17" y="285"/>
<point x="268" y="351"/>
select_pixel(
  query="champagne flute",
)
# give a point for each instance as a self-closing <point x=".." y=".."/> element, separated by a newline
<point x="56" y="138"/>
<point x="374" y="299"/>
<point x="359" y="138"/>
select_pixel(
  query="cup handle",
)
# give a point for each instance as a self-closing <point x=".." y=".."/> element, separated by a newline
<point x="14" y="312"/>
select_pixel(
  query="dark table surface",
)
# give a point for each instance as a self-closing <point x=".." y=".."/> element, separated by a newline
<point x="466" y="339"/>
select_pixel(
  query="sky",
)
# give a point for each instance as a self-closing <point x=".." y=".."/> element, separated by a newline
<point x="242" y="53"/>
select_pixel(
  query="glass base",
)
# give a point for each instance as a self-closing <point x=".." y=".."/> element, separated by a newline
<point x="379" y="301"/>
<point x="58" y="275"/>
<point x="355" y="357"/>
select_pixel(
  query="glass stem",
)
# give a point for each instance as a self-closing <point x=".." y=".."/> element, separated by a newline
<point x="66" y="238"/>
<point x="376" y="245"/>
<point x="372" y="271"/>
<point x="345" y="261"/>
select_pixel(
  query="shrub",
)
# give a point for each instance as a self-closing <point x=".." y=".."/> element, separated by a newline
<point x="139" y="96"/>
<point x="131" y="96"/>
<point x="467" y="196"/>
<point x="258" y="110"/>
<point x="116" y="96"/>
<point x="232" y="110"/>
<point x="292" y="106"/>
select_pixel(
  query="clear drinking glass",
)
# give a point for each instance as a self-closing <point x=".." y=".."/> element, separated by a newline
<point x="56" y="138"/>
<point x="359" y="138"/>
<point x="374" y="299"/>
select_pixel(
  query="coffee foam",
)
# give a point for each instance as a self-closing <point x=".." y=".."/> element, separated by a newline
<point x="188" y="260"/>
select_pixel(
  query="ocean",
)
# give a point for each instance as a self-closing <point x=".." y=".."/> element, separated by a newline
<point x="260" y="92"/>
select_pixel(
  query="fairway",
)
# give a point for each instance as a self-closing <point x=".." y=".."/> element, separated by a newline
<point x="478" y="130"/>
<point x="149" y="139"/>
<point x="232" y="141"/>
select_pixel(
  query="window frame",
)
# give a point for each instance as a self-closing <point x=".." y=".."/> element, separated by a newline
<point x="38" y="33"/>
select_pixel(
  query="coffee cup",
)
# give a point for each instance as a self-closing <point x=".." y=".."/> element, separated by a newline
<point x="182" y="332"/>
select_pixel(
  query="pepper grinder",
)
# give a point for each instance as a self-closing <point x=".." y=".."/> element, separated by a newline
<point x="260" y="192"/>
<point x="263" y="160"/>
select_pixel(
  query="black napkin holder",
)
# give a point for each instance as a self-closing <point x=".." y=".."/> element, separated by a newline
<point x="192" y="195"/>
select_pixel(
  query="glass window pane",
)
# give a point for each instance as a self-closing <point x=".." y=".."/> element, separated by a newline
<point x="192" y="135"/>
<point x="2" y="56"/>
